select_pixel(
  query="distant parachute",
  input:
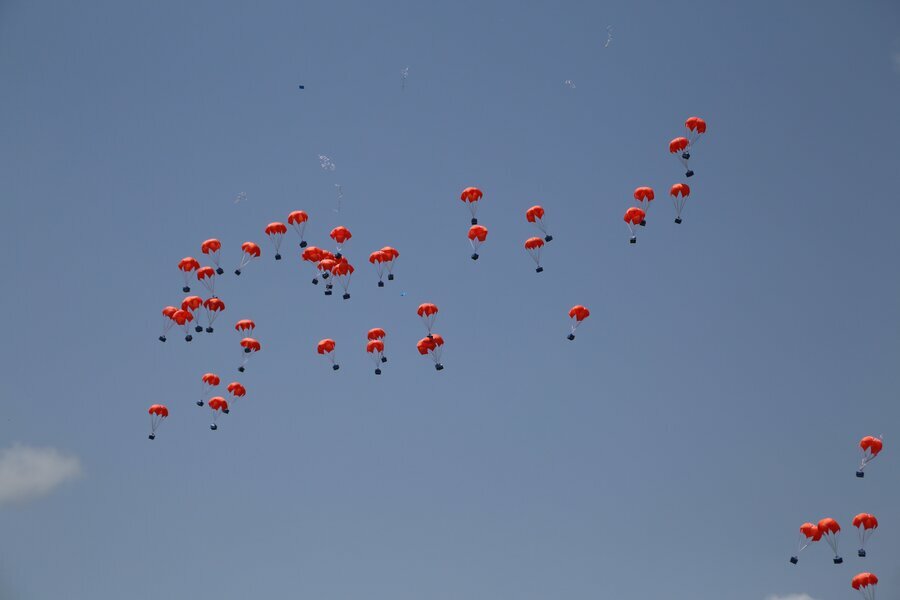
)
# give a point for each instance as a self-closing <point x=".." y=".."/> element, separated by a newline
<point x="236" y="390"/>
<point x="326" y="348"/>
<point x="644" y="194"/>
<point x="249" y="345"/>
<point x="378" y="258"/>
<point x="183" y="319"/>
<point x="250" y="251"/>
<point x="634" y="216"/>
<point x="477" y="235"/>
<point x="213" y="307"/>
<point x="209" y="381"/>
<point x="212" y="248"/>
<point x="534" y="246"/>
<point x="866" y="524"/>
<point x="679" y="193"/>
<point x="470" y="196"/>
<point x="342" y="271"/>
<point x="391" y="255"/>
<point x="340" y="235"/>
<point x="245" y="326"/>
<point x="682" y="146"/>
<point x="830" y="531"/>
<point x="865" y="584"/>
<point x="167" y="313"/>
<point x="428" y="313"/>
<point x="187" y="265"/>
<point x="809" y="533"/>
<point x="377" y="333"/>
<point x="870" y="447"/>
<point x="191" y="304"/>
<point x="218" y="405"/>
<point x="535" y="215"/>
<point x="375" y="349"/>
<point x="207" y="276"/>
<point x="433" y="346"/>
<point x="275" y="232"/>
<point x="158" y="412"/>
<point x="577" y="314"/>
<point x="298" y="220"/>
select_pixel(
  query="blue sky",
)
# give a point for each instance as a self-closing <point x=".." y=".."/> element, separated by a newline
<point x="709" y="406"/>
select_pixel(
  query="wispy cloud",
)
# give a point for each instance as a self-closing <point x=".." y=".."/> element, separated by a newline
<point x="790" y="597"/>
<point x="27" y="473"/>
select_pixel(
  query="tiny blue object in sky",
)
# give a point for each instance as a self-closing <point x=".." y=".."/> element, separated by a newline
<point x="302" y="88"/>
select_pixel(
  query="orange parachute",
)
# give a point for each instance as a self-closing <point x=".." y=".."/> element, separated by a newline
<point x="213" y="307"/>
<point x="250" y="251"/>
<point x="249" y="345"/>
<point x="340" y="234"/>
<point x="297" y="220"/>
<point x="535" y="215"/>
<point x="376" y="333"/>
<point x="865" y="524"/>
<point x="577" y="314"/>
<point x="433" y="346"/>
<point x="634" y="216"/>
<point x="830" y="531"/>
<point x="378" y="259"/>
<point x="207" y="276"/>
<point x="218" y="404"/>
<point x="245" y="326"/>
<point x="428" y="312"/>
<point x="183" y="319"/>
<point x="158" y="412"/>
<point x="477" y="235"/>
<point x="375" y="348"/>
<point x="341" y="272"/>
<point x="644" y="194"/>
<point x="809" y="533"/>
<point x="391" y="255"/>
<point x="870" y="447"/>
<point x="326" y="348"/>
<point x="679" y="192"/>
<point x="167" y="313"/>
<point x="534" y="246"/>
<point x="209" y="381"/>
<point x="865" y="584"/>
<point x="275" y="232"/>
<point x="236" y="390"/>
<point x="212" y="248"/>
<point x="187" y="265"/>
<point x="471" y="196"/>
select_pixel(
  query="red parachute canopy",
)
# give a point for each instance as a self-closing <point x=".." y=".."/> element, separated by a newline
<point x="828" y="525"/>
<point x="871" y="444"/>
<point x="236" y="389"/>
<point x="811" y="532"/>
<point x="865" y="520"/>
<point x="213" y="304"/>
<point x="188" y="263"/>
<point x="378" y="257"/>
<point x="245" y="325"/>
<point x="297" y="217"/>
<point x="696" y="124"/>
<point x="312" y="254"/>
<point x="250" y="345"/>
<point x="471" y="194"/>
<point x="342" y="267"/>
<point x="340" y="234"/>
<point x="534" y="243"/>
<point x="430" y="344"/>
<point x="390" y="252"/>
<point x="579" y="313"/>
<point x="218" y="403"/>
<point x="864" y="580"/>
<point x="159" y="410"/>
<point x="634" y="216"/>
<point x="276" y="228"/>
<point x="376" y="333"/>
<point x="210" y="245"/>
<point x="169" y="311"/>
<point x="325" y="346"/>
<point x="210" y="379"/>
<point x="191" y="303"/>
<point x="678" y="145"/>
<point x="374" y="346"/>
<point x="427" y="309"/>
<point x="204" y="272"/>
<point x="478" y="232"/>
<point x="535" y="213"/>
<point x="182" y="317"/>
<point x="643" y="193"/>
<point x="326" y="264"/>
<point x="680" y="189"/>
<point x="251" y="249"/>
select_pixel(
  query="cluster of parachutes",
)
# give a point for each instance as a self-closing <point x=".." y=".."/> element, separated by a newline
<point x="681" y="147"/>
<point x="828" y="529"/>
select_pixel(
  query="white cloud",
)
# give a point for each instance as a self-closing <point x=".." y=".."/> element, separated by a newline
<point x="790" y="597"/>
<point x="27" y="473"/>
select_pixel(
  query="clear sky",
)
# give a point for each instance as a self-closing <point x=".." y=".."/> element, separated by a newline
<point x="710" y="404"/>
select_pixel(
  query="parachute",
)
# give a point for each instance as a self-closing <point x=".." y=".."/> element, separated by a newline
<point x="830" y="530"/>
<point x="535" y="215"/>
<point x="249" y="345"/>
<point x="378" y="259"/>
<point x="809" y="533"/>
<point x="275" y="231"/>
<point x="577" y="314"/>
<point x="326" y="265"/>
<point x="865" y="583"/>
<point x="218" y="405"/>
<point x="158" y="412"/>
<point x="187" y="265"/>
<point x="342" y="271"/>
<point x="236" y="390"/>
<point x="679" y="193"/>
<point x="212" y="248"/>
<point x="250" y="251"/>
<point x="340" y="234"/>
<point x="183" y="319"/>
<point x="644" y="194"/>
<point x="634" y="216"/>
<point x="209" y="381"/>
<point x="866" y="524"/>
<point x="471" y="196"/>
<point x="191" y="304"/>
<point x="213" y="307"/>
<point x="391" y="255"/>
<point x="298" y="220"/>
<point x="207" y="276"/>
<point x="534" y="246"/>
<point x="377" y="333"/>
<point x="167" y="313"/>
<point x="326" y="348"/>
<point x="433" y="346"/>
<point x="428" y="312"/>
<point x="477" y="235"/>
<point x="375" y="348"/>
<point x="870" y="447"/>
<point x="679" y="147"/>
<point x="313" y="255"/>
